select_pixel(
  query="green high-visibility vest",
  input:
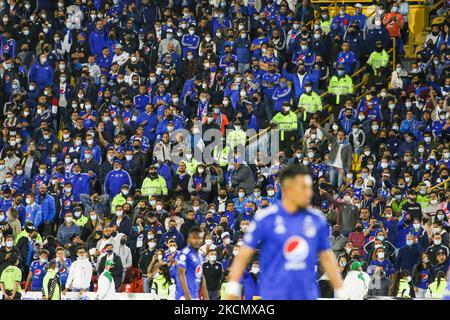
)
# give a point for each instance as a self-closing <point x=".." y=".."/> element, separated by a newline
<point x="310" y="102"/>
<point x="285" y="122"/>
<point x="378" y="59"/>
<point x="221" y="156"/>
<point x="325" y="26"/>
<point x="236" y="137"/>
<point x="156" y="187"/>
<point x="340" y="86"/>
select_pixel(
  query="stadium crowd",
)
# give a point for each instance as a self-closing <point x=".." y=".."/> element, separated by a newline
<point x="95" y="92"/>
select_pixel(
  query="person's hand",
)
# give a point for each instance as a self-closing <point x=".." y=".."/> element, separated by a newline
<point x="232" y="297"/>
<point x="322" y="192"/>
<point x="65" y="291"/>
<point x="82" y="291"/>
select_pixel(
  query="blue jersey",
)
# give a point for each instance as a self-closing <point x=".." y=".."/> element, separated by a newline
<point x="289" y="246"/>
<point x="192" y="261"/>
<point x="38" y="272"/>
<point x="63" y="270"/>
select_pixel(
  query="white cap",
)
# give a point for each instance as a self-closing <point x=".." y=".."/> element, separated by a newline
<point x="358" y="5"/>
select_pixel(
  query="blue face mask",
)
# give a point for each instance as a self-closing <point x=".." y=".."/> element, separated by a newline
<point x="340" y="73"/>
<point x="409" y="242"/>
<point x="248" y="210"/>
<point x="213" y="69"/>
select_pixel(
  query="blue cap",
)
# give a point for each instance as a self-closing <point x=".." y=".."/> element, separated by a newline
<point x="118" y="161"/>
<point x="270" y="186"/>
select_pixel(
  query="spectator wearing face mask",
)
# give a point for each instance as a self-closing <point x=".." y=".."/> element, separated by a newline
<point x="67" y="229"/>
<point x="435" y="247"/>
<point x="251" y="282"/>
<point x="117" y="270"/>
<point x="213" y="272"/>
<point x="379" y="284"/>
<point x="337" y="240"/>
<point x="146" y="257"/>
<point x="408" y="255"/>
<point x="347" y="213"/>
<point x="120" y="198"/>
<point x="423" y="275"/>
<point x="80" y="274"/>
<point x="379" y="258"/>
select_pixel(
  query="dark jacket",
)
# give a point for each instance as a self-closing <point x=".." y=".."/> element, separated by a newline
<point x="213" y="275"/>
<point x="243" y="178"/>
<point x="116" y="271"/>
<point x="408" y="257"/>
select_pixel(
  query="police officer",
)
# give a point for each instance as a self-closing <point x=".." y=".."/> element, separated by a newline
<point x="341" y="85"/>
<point x="286" y="122"/>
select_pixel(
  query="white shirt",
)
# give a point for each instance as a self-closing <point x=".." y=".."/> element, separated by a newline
<point x="121" y="59"/>
<point x="338" y="161"/>
<point x="80" y="274"/>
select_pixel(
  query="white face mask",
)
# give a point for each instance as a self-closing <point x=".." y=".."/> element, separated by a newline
<point x="208" y="242"/>
<point x="254" y="270"/>
<point x="235" y="252"/>
<point x="270" y="193"/>
<point x="158" y="207"/>
<point x="172" y="249"/>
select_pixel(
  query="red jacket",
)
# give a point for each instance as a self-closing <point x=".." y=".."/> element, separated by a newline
<point x="358" y="240"/>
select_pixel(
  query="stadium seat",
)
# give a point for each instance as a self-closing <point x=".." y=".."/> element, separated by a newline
<point x="419" y="38"/>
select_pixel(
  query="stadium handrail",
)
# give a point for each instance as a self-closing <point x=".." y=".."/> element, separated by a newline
<point x="439" y="184"/>
<point x="324" y="94"/>
<point x="437" y="4"/>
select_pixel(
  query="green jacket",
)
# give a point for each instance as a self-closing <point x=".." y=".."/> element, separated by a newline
<point x="285" y="122"/>
<point x="437" y="292"/>
<point x="160" y="287"/>
<point x="118" y="200"/>
<point x="81" y="221"/>
<point x="236" y="137"/>
<point x="340" y="86"/>
<point x="156" y="187"/>
<point x="397" y="207"/>
<point x="191" y="166"/>
<point x="23" y="233"/>
<point x="403" y="289"/>
<point x="378" y="59"/>
<point x="325" y="26"/>
<point x="51" y="285"/>
<point x="221" y="156"/>
<point x="310" y="102"/>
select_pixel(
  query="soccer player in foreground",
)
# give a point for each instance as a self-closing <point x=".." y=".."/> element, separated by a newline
<point x="190" y="279"/>
<point x="291" y="238"/>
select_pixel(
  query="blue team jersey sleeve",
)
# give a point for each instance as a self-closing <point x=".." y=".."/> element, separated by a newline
<point x="322" y="234"/>
<point x="256" y="232"/>
<point x="182" y="260"/>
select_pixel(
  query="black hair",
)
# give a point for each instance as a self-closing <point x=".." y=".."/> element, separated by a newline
<point x="292" y="171"/>
<point x="195" y="229"/>
<point x="166" y="274"/>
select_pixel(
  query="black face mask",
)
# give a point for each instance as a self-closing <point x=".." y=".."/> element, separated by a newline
<point x="359" y="229"/>
<point x="123" y="241"/>
<point x="336" y="233"/>
<point x="114" y="233"/>
<point x="106" y="236"/>
<point x="407" y="221"/>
